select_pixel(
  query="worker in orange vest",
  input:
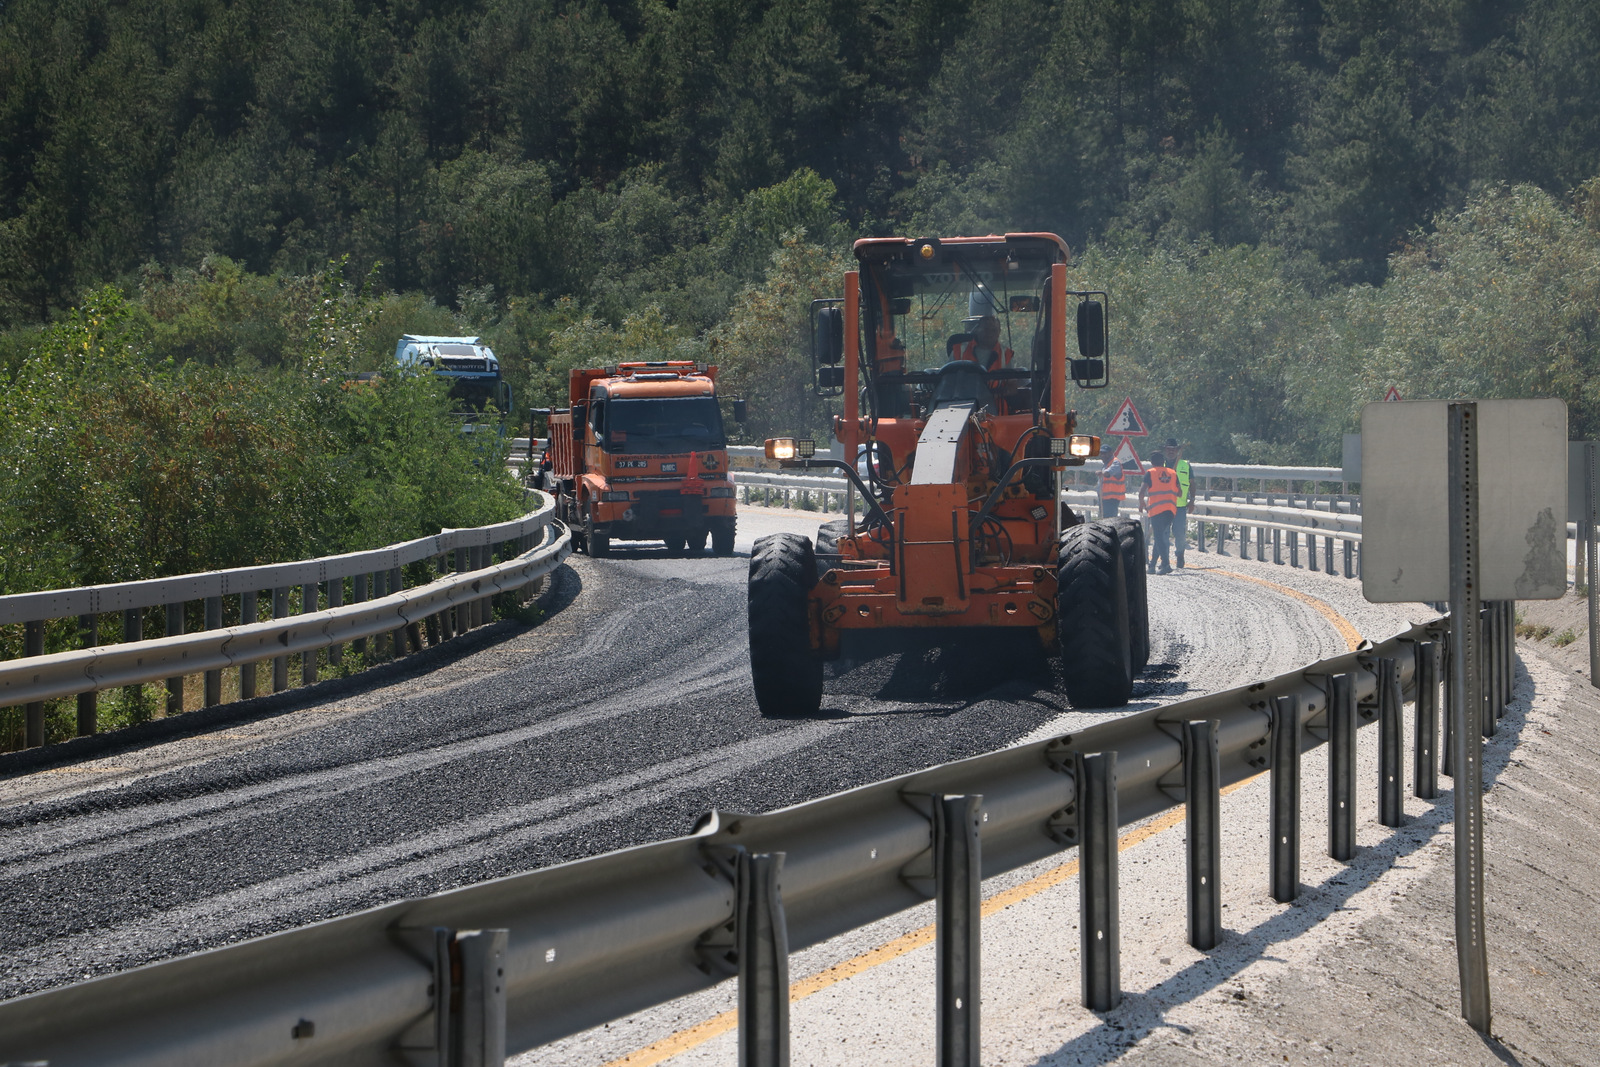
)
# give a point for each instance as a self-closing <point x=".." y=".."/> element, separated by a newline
<point x="1158" y="499"/>
<point x="1113" y="489"/>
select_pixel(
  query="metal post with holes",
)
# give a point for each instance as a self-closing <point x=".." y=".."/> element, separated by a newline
<point x="1341" y="768"/>
<point x="1098" y="908"/>
<point x="1447" y="748"/>
<point x="280" y="664"/>
<point x="88" y="703"/>
<point x="959" y="893"/>
<point x="175" y="683"/>
<point x="1425" y="765"/>
<point x="33" y="714"/>
<point x="1391" y="808"/>
<point x="1285" y="815"/>
<point x="1511" y="651"/>
<point x="213" y="679"/>
<point x="247" y="671"/>
<point x="1466" y="706"/>
<point x="1202" y="790"/>
<point x="762" y="938"/>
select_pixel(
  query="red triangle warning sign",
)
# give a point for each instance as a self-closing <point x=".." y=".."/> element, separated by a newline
<point x="1125" y="455"/>
<point x="1127" y="422"/>
<point x="1392" y="394"/>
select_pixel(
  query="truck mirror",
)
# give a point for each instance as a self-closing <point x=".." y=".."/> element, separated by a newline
<point x="1091" y="329"/>
<point x="900" y="306"/>
<point x="830" y="378"/>
<point x="827" y="335"/>
<point x="741" y="409"/>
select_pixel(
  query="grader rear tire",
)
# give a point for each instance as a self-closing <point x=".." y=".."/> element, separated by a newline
<point x="1130" y="533"/>
<point x="786" y="672"/>
<point x="1092" y="617"/>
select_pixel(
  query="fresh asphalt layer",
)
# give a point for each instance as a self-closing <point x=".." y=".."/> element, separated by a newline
<point x="618" y="719"/>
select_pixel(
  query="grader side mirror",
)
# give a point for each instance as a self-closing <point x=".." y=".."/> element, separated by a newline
<point x="1092" y="329"/>
<point x="827" y="339"/>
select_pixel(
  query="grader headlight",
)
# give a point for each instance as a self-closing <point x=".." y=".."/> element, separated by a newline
<point x="780" y="448"/>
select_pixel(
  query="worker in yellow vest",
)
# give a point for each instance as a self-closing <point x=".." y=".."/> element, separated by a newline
<point x="1158" y="499"/>
<point x="1180" y="521"/>
<point x="1113" y="489"/>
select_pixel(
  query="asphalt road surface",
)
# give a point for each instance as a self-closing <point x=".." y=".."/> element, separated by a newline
<point x="620" y="718"/>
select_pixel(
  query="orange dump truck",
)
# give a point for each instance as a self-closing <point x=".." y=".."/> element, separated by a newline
<point x="639" y="455"/>
<point x="951" y="360"/>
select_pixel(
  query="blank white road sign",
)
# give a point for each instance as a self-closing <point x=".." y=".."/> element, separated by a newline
<point x="1522" y="497"/>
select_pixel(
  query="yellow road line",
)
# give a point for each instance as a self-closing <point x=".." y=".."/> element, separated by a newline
<point x="684" y="1040"/>
<point x="1352" y="636"/>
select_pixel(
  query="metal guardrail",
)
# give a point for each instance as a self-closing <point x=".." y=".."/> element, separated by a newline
<point x="594" y="940"/>
<point x="381" y="607"/>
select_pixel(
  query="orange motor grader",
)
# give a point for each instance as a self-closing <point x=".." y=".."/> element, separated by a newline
<point x="951" y="359"/>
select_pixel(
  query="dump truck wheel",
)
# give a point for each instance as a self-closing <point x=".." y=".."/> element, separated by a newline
<point x="722" y="530"/>
<point x="1130" y="532"/>
<point x="675" y="543"/>
<point x="786" y="672"/>
<point x="596" y="542"/>
<point x="695" y="542"/>
<point x="1092" y="617"/>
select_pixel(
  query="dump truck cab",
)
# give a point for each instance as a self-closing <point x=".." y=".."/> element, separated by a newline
<point x="952" y="362"/>
<point x="640" y="454"/>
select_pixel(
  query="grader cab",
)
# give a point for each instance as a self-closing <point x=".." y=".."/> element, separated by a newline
<point x="951" y="360"/>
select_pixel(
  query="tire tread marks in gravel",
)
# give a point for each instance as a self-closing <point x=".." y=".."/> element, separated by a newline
<point x="786" y="672"/>
<point x="1092" y="617"/>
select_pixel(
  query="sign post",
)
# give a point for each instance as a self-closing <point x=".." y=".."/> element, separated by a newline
<point x="1466" y="697"/>
<point x="1426" y="466"/>
<point x="1589" y="559"/>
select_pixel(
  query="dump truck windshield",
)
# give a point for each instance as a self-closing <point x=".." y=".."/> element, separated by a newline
<point x="474" y="394"/>
<point x="935" y="304"/>
<point x="663" y="425"/>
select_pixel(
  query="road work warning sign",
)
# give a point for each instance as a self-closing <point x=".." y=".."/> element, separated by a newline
<point x="1126" y="456"/>
<point x="1126" y="422"/>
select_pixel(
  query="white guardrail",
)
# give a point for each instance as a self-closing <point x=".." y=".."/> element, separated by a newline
<point x="381" y="607"/>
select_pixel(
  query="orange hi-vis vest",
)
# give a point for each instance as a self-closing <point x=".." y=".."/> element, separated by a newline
<point x="997" y="357"/>
<point x="1113" y="487"/>
<point x="1162" y="496"/>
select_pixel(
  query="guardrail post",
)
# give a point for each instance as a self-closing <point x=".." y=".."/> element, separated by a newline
<point x="247" y="671"/>
<point x="397" y="584"/>
<point x="1285" y="816"/>
<point x="175" y="683"/>
<point x="1261" y="544"/>
<point x="1277" y="547"/>
<point x="380" y="589"/>
<point x="762" y="939"/>
<point x="463" y="611"/>
<point x="33" y="645"/>
<point x="358" y="595"/>
<point x="469" y="997"/>
<point x="1098" y="925"/>
<point x="1391" y="809"/>
<point x="1294" y="548"/>
<point x="1327" y="553"/>
<point x="213" y="679"/>
<point x="1486" y="671"/>
<point x="958" y="874"/>
<point x="1425" y="767"/>
<point x="1586" y="530"/>
<point x="1202" y="785"/>
<point x="88" y="703"/>
<point x="308" y="659"/>
<point x="1341" y="768"/>
<point x="335" y="600"/>
<point x="132" y="630"/>
<point x="1349" y="560"/>
<point x="280" y="664"/>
